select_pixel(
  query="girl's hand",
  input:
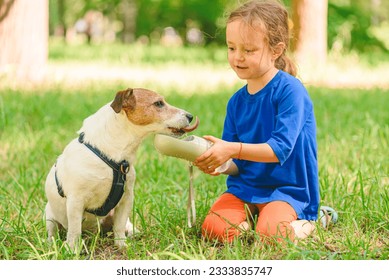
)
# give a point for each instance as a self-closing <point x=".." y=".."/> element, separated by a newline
<point x="214" y="157"/>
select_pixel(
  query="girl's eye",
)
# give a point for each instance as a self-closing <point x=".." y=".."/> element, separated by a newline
<point x="231" y="49"/>
<point x="159" y="104"/>
<point x="249" y="51"/>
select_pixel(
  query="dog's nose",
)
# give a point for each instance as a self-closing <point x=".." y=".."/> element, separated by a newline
<point x="189" y="117"/>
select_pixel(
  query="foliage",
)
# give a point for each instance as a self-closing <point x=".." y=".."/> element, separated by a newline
<point x="349" y="22"/>
<point x="152" y="15"/>
<point x="181" y="14"/>
<point x="349" y="29"/>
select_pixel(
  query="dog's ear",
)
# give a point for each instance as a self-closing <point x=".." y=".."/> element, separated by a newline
<point x="124" y="98"/>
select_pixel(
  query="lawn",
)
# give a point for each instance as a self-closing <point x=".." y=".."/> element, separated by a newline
<point x="37" y="122"/>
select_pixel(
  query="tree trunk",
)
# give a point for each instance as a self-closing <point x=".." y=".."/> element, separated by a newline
<point x="310" y="31"/>
<point x="24" y="40"/>
<point x="129" y="12"/>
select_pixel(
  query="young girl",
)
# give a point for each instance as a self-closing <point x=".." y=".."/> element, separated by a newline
<point x="269" y="132"/>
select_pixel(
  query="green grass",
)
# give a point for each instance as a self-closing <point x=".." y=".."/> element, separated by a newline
<point x="37" y="122"/>
<point x="135" y="54"/>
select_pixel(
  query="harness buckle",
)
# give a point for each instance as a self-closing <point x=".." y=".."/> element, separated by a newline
<point x="81" y="137"/>
<point x="124" y="167"/>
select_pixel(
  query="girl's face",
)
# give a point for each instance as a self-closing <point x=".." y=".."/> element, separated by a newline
<point x="248" y="53"/>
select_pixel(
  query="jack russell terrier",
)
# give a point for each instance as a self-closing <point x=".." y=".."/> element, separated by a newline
<point x="93" y="179"/>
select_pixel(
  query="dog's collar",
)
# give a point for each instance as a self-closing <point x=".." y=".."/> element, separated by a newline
<point x="119" y="178"/>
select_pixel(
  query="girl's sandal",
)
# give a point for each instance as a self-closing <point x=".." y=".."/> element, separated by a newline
<point x="327" y="216"/>
<point x="304" y="228"/>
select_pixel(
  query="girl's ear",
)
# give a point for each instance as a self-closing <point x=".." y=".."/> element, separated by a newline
<point x="278" y="50"/>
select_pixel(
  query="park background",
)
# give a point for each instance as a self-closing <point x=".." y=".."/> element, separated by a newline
<point x="62" y="60"/>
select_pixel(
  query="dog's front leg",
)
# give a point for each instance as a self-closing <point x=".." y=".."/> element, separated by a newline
<point x="75" y="210"/>
<point x="121" y="222"/>
<point x="51" y="223"/>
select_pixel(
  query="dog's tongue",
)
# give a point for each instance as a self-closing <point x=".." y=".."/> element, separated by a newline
<point x="192" y="127"/>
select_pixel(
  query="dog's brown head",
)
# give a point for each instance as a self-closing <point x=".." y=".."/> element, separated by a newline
<point x="145" y="107"/>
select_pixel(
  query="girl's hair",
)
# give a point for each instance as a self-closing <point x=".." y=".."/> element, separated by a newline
<point x="273" y="18"/>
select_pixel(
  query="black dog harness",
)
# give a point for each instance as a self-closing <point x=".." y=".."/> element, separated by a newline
<point x="119" y="178"/>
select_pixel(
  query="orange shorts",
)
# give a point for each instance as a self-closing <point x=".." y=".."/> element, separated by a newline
<point x="229" y="212"/>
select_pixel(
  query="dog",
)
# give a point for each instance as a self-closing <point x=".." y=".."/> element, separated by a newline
<point x="96" y="171"/>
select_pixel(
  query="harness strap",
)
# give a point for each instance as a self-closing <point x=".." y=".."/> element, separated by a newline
<point x="114" y="165"/>
<point x="119" y="178"/>
<point x="59" y="186"/>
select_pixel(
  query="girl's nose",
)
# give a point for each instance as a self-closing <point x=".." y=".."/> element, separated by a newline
<point x="239" y="56"/>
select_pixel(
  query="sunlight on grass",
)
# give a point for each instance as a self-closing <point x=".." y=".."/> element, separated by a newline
<point x="346" y="71"/>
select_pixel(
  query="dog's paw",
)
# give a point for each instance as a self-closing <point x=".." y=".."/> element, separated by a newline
<point x="121" y="243"/>
<point x="50" y="240"/>
<point x="71" y="246"/>
<point x="131" y="229"/>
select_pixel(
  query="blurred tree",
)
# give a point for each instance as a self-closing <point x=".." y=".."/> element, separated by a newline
<point x="310" y="31"/>
<point x="349" y="21"/>
<point x="61" y="17"/>
<point x="350" y="25"/>
<point x="155" y="15"/>
<point x="144" y="17"/>
<point x="56" y="17"/>
<point x="129" y="14"/>
<point x="65" y="13"/>
<point x="24" y="38"/>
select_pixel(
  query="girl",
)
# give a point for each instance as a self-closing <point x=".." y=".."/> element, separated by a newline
<point x="269" y="132"/>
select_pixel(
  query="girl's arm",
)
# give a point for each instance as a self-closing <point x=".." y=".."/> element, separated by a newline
<point x="222" y="151"/>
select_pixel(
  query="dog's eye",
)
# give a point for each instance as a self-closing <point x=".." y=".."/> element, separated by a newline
<point x="159" y="104"/>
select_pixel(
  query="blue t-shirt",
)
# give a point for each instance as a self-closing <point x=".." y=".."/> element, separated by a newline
<point x="281" y="115"/>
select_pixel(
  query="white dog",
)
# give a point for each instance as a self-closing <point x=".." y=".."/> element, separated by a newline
<point x="96" y="173"/>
